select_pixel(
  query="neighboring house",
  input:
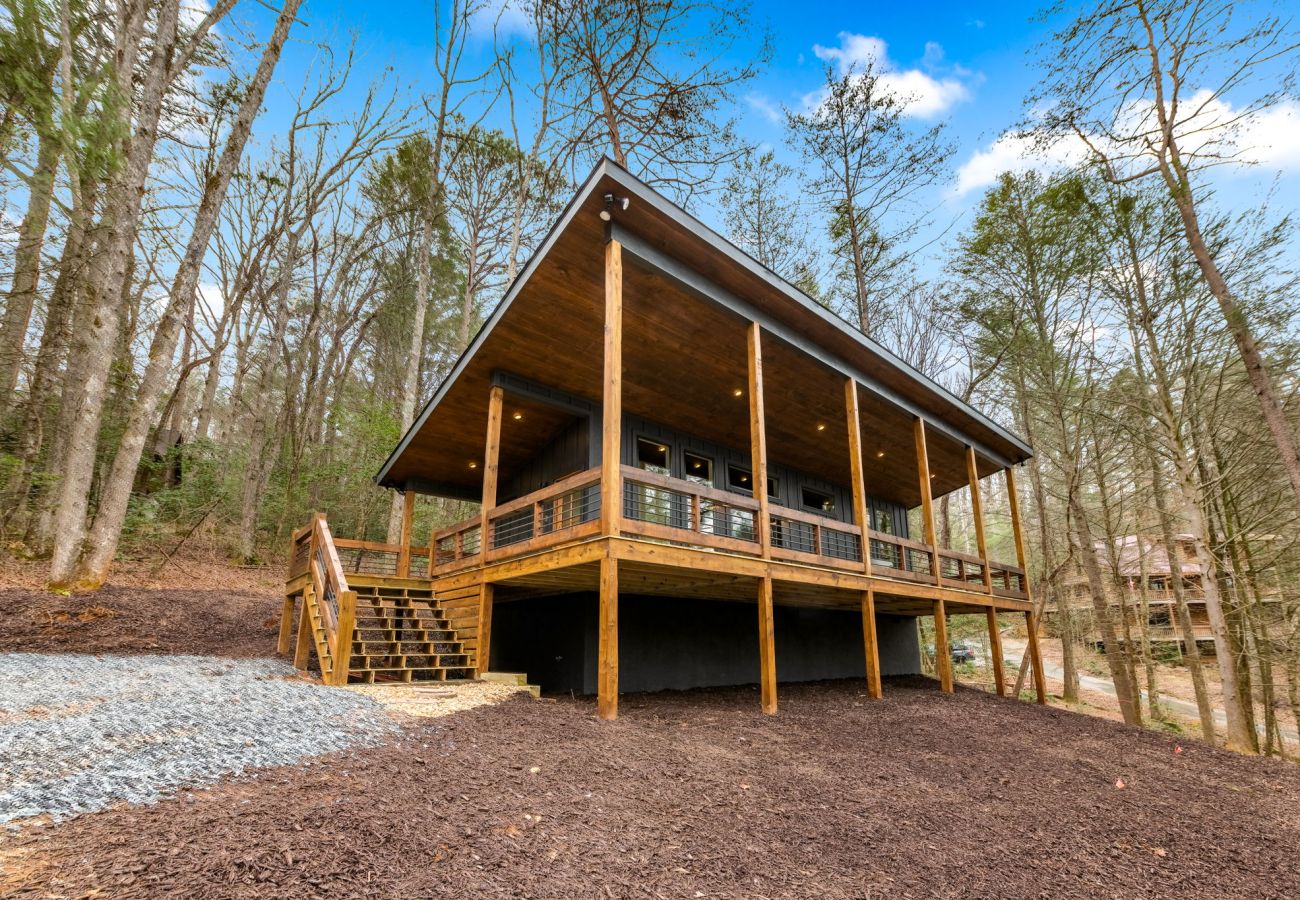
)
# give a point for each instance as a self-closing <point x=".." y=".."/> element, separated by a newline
<point x="680" y="460"/>
<point x="1138" y="556"/>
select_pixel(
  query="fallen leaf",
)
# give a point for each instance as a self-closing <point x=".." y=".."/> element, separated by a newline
<point x="1119" y="784"/>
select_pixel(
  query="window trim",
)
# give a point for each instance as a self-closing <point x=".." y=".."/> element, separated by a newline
<point x="668" y="452"/>
<point x="773" y="492"/>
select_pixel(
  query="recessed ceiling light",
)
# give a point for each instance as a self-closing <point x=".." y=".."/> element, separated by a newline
<point x="473" y="465"/>
<point x="821" y="426"/>
<point x="880" y="454"/>
<point x="663" y="449"/>
<point x="518" y="416"/>
<point x="738" y="392"/>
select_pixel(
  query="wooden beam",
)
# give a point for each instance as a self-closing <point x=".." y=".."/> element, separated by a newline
<point x="927" y="502"/>
<point x="404" y="548"/>
<point x="861" y="506"/>
<point x="758" y="444"/>
<point x="286" y="626"/>
<point x="766" y="646"/>
<point x="977" y="513"/>
<point x="869" y="642"/>
<point x="484" y="653"/>
<point x="942" y="652"/>
<point x="607" y="646"/>
<point x="995" y="650"/>
<point x="611" y="495"/>
<point x="302" y="651"/>
<point x="491" y="457"/>
<point x="1036" y="658"/>
<point x="346" y="624"/>
<point x="1022" y="560"/>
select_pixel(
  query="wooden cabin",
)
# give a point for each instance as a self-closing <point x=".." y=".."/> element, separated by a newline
<point x="1142" y="604"/>
<point x="690" y="474"/>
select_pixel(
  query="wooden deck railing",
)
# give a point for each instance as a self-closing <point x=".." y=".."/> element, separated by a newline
<point x="563" y="511"/>
<point x="808" y="537"/>
<point x="672" y="509"/>
<point x="326" y="597"/>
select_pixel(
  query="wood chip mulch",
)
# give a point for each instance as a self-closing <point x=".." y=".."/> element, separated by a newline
<point x="699" y="795"/>
<point x="121" y="619"/>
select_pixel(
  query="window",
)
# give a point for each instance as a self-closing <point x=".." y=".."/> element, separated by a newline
<point x="652" y="456"/>
<point x="740" y="479"/>
<point x="817" y="500"/>
<point x="883" y="520"/>
<point x="1159" y="617"/>
<point x="698" y="469"/>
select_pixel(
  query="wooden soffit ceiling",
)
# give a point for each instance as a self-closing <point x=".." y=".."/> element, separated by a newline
<point x="684" y="358"/>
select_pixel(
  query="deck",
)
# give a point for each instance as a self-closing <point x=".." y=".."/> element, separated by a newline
<point x="710" y="537"/>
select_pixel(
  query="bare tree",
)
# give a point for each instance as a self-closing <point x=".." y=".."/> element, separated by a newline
<point x="869" y="170"/>
<point x="1149" y="86"/>
<point x="646" y="82"/>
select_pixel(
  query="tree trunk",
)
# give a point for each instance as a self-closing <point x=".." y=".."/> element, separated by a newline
<point x="1261" y="381"/>
<point x="107" y="530"/>
<point x="414" y="355"/>
<point x="27" y="267"/>
<point x="1129" y="708"/>
<point x="95" y="344"/>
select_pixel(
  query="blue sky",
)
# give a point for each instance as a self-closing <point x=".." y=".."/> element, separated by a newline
<point x="971" y="65"/>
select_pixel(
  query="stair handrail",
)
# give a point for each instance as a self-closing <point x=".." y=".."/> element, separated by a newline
<point x="337" y="602"/>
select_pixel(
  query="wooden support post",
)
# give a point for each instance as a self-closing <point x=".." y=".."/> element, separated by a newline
<point x="607" y="647"/>
<point x="766" y="646"/>
<point x="927" y="501"/>
<point x="483" y="656"/>
<point x="611" y="493"/>
<point x="286" y="626"/>
<point x="1036" y="658"/>
<point x="869" y="642"/>
<point x="491" y="455"/>
<point x="995" y="650"/>
<point x="861" y="506"/>
<point x="347" y="623"/>
<point x="302" y="652"/>
<point x="1022" y="560"/>
<point x="942" y="652"/>
<point x="404" y="550"/>
<point x="758" y="450"/>
<point x="977" y="513"/>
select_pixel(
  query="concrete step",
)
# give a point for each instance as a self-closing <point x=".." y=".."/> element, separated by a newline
<point x="516" y="679"/>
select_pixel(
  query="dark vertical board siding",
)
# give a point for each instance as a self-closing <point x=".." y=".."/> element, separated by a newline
<point x="567" y="454"/>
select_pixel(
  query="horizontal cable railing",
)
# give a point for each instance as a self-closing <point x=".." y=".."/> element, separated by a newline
<point x="831" y="540"/>
<point x="659" y="506"/>
<point x="559" y="509"/>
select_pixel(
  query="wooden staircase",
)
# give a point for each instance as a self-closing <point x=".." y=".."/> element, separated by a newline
<point x="402" y="634"/>
<point x="366" y="628"/>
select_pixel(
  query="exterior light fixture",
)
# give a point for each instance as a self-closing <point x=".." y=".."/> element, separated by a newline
<point x="610" y="202"/>
<point x="880" y="454"/>
<point x="737" y="392"/>
<point x="518" y="416"/>
<point x="821" y="426"/>
<point x="473" y="465"/>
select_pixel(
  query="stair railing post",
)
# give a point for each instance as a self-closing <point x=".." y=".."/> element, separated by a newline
<point x="343" y="636"/>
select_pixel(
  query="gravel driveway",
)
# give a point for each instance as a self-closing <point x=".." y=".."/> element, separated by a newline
<point x="80" y="733"/>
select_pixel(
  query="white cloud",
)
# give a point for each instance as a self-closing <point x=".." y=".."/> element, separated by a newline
<point x="765" y="107"/>
<point x="1013" y="152"/>
<point x="507" y="16"/>
<point x="925" y="92"/>
<point x="1269" y="139"/>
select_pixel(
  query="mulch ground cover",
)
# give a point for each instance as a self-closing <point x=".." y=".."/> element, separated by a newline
<point x="698" y="795"/>
<point x="139" y="620"/>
